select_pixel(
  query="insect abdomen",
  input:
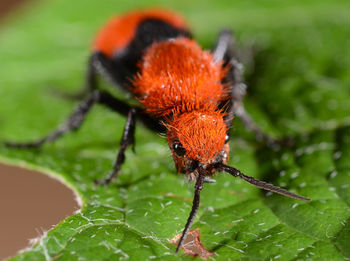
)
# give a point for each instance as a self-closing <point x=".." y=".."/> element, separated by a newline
<point x="119" y="32"/>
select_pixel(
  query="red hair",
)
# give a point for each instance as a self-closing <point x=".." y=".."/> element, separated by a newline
<point x="177" y="76"/>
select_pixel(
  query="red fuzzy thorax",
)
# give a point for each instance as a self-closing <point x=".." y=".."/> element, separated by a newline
<point x="177" y="76"/>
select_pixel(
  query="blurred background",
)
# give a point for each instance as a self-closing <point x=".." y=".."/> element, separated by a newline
<point x="30" y="202"/>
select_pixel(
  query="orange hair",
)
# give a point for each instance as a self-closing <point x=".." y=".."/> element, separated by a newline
<point x="177" y="76"/>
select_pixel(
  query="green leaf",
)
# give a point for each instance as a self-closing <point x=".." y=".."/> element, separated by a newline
<point x="299" y="87"/>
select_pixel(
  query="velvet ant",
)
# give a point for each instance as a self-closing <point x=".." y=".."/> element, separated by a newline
<point x="190" y="94"/>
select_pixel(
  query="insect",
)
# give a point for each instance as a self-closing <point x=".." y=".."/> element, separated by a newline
<point x="188" y="93"/>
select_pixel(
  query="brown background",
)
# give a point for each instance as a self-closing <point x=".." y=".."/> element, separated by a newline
<point x="30" y="202"/>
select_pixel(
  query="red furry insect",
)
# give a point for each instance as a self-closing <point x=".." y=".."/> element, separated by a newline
<point x="191" y="94"/>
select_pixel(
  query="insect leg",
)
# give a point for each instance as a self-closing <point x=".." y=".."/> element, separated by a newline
<point x="89" y="86"/>
<point x="195" y="206"/>
<point x="123" y="108"/>
<point x="225" y="50"/>
<point x="224" y="47"/>
<point x="104" y="66"/>
<point x="127" y="140"/>
<point x="73" y="123"/>
<point x="97" y="63"/>
<point x="249" y="124"/>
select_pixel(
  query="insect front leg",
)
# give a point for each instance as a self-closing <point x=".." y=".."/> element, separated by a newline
<point x="128" y="139"/>
<point x="73" y="123"/>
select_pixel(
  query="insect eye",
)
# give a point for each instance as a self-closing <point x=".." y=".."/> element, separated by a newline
<point x="227" y="138"/>
<point x="179" y="149"/>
